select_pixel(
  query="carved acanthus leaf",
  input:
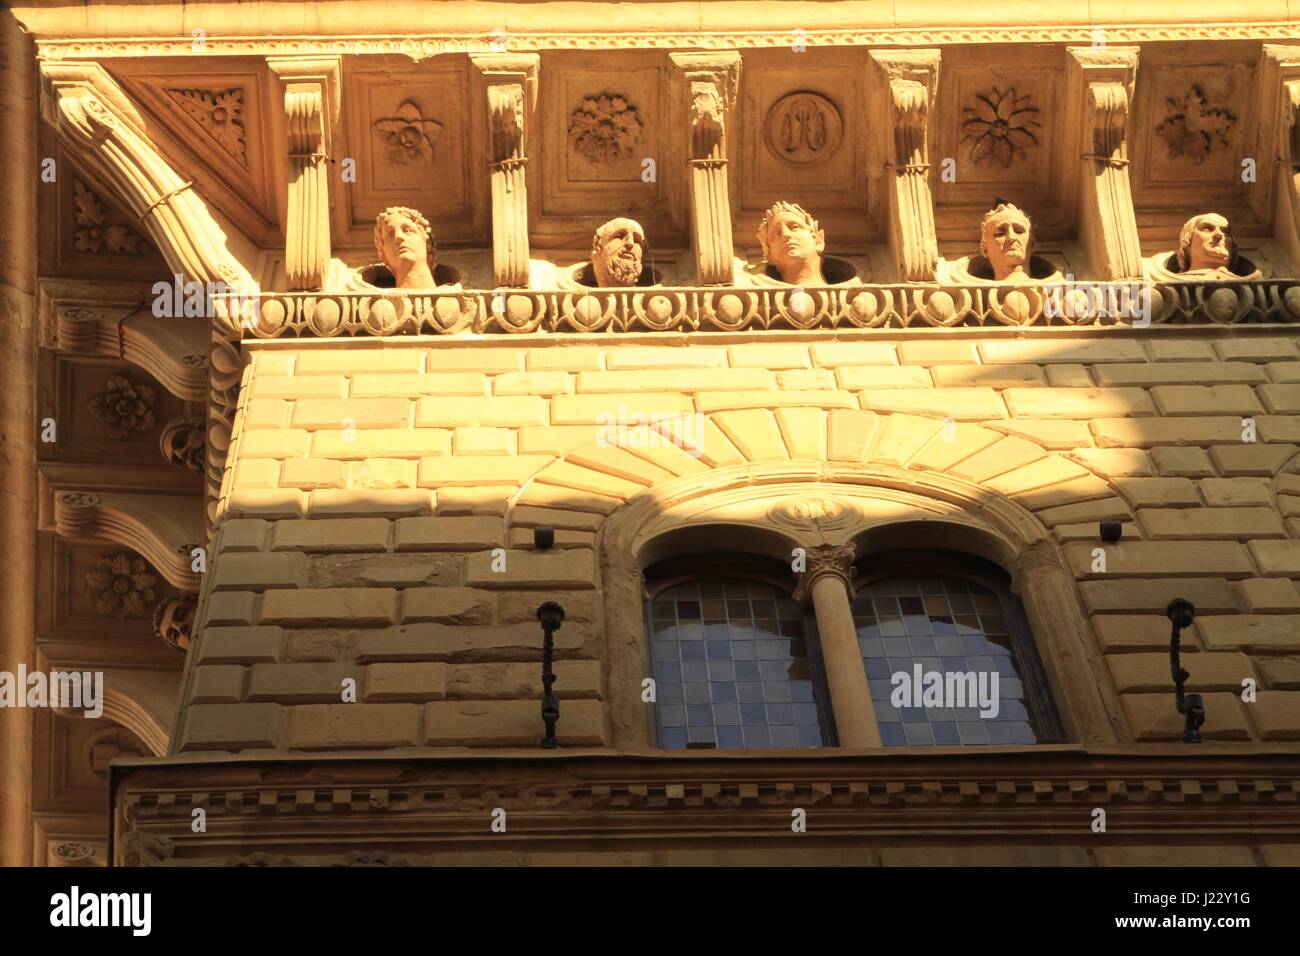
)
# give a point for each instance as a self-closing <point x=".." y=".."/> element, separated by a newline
<point x="95" y="231"/>
<point x="1194" y="126"/>
<point x="221" y="115"/>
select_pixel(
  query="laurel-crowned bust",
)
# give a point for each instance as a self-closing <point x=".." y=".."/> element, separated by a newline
<point x="793" y="243"/>
<point x="1206" y="245"/>
<point x="618" y="253"/>
<point x="406" y="246"/>
<point x="1006" y="241"/>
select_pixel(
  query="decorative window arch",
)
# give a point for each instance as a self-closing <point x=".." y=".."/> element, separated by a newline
<point x="854" y="511"/>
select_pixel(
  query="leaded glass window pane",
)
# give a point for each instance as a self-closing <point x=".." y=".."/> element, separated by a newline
<point x="731" y="667"/>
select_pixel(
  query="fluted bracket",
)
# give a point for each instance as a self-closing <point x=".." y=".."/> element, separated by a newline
<point x="705" y="86"/>
<point x="905" y="82"/>
<point x="311" y="108"/>
<point x="163" y="529"/>
<point x="1279" y="140"/>
<point x="509" y="88"/>
<point x="1100" y="82"/>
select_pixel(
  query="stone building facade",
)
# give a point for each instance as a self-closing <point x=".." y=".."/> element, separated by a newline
<point x="1025" y="372"/>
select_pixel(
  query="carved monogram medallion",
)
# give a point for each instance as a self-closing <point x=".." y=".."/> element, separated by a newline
<point x="803" y="128"/>
<point x="818" y="511"/>
<point x="605" y="128"/>
<point x="1000" y="127"/>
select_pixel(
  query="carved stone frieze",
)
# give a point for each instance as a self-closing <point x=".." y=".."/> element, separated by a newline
<point x="605" y="128"/>
<point x="734" y="309"/>
<point x="221" y="115"/>
<point x="419" y="808"/>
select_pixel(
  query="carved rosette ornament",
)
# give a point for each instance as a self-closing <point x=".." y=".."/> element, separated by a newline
<point x="1001" y="127"/>
<point x="124" y="407"/>
<point x="122" y="586"/>
<point x="605" y="129"/>
<point x="72" y="853"/>
<point x="822" y="560"/>
<point x="173" y="620"/>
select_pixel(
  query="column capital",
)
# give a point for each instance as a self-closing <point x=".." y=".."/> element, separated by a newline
<point x="826" y="559"/>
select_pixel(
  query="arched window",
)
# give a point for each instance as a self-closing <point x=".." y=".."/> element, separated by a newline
<point x="949" y="655"/>
<point x="734" y="658"/>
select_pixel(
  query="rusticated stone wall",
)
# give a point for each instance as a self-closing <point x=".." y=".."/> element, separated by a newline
<point x="372" y="479"/>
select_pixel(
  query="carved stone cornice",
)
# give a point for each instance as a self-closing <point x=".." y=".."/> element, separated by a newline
<point x="688" y="309"/>
<point x="421" y="41"/>
<point x="163" y="529"/>
<point x="905" y="87"/>
<point x="510" y="89"/>
<point x="1100" y="82"/>
<point x="311" y="106"/>
<point x="171" y="349"/>
<point x="826" y="560"/>
<point x="288" y="808"/>
<point x="705" y="85"/>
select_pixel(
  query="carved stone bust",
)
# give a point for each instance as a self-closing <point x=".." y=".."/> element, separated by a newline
<point x="618" y="253"/>
<point x="406" y="246"/>
<point x="1006" y="241"/>
<point x="793" y="243"/>
<point x="1207" y="249"/>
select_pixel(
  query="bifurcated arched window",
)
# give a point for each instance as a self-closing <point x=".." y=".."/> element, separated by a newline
<point x="735" y="659"/>
<point x="949" y="654"/>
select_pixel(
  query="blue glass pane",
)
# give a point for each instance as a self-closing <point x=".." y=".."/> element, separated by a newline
<point x="730" y="659"/>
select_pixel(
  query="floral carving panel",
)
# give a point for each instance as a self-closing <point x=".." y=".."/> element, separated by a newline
<point x="412" y="133"/>
<point x="605" y="129"/>
<point x="98" y="229"/>
<point x="1194" y="127"/>
<point x="220" y="113"/>
<point x="1001" y="127"/>
<point x="122" y="586"/>
<point x="124" y="407"/>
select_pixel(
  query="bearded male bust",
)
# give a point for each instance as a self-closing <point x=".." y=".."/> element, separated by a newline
<point x="618" y="251"/>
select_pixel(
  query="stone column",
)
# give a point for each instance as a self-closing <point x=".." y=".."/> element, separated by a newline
<point x="19" y="180"/>
<point x="827" y="583"/>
